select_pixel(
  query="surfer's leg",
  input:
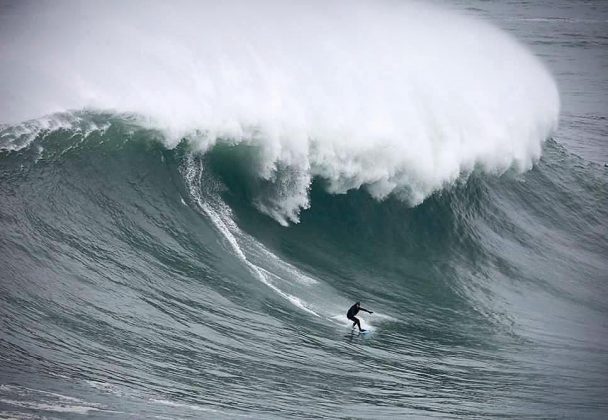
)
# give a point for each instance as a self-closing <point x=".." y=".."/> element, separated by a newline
<point x="356" y="322"/>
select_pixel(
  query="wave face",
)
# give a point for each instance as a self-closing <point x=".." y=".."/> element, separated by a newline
<point x="358" y="93"/>
<point x="144" y="280"/>
<point x="183" y="231"/>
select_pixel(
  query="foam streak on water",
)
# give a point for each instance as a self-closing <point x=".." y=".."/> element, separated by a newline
<point x="220" y="215"/>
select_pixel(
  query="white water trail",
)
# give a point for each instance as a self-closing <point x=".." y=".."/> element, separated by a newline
<point x="220" y="215"/>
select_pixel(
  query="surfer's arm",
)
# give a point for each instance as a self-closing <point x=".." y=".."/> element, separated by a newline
<point x="365" y="310"/>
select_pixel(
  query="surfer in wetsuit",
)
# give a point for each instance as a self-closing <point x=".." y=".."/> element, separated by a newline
<point x="353" y="311"/>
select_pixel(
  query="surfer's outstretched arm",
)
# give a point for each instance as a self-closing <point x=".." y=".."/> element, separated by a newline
<point x="365" y="310"/>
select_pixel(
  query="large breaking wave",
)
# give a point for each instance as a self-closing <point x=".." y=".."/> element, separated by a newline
<point x="401" y="99"/>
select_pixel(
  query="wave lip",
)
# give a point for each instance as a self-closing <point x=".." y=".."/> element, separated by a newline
<point x="401" y="99"/>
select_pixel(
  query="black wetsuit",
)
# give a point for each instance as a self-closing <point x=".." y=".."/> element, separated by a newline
<point x="352" y="312"/>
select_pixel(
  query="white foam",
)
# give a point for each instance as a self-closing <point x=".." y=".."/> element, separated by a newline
<point x="58" y="407"/>
<point x="400" y="98"/>
<point x="105" y="387"/>
<point x="35" y="399"/>
<point x="19" y="136"/>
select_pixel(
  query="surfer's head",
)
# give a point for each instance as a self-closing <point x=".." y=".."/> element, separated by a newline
<point x="358" y="303"/>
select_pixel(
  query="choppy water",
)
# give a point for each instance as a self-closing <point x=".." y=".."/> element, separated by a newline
<point x="143" y="278"/>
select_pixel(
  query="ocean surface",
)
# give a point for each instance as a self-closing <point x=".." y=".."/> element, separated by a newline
<point x="192" y="195"/>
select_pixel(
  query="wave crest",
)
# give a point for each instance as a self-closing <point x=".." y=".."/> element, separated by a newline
<point x="400" y="99"/>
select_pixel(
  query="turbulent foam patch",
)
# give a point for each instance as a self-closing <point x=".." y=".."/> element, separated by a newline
<point x="398" y="98"/>
<point x="18" y="136"/>
<point x="43" y="401"/>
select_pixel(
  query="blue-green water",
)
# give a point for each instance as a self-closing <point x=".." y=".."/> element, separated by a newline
<point x="145" y="276"/>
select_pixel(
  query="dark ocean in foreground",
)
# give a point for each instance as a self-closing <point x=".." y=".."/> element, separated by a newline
<point x="139" y="280"/>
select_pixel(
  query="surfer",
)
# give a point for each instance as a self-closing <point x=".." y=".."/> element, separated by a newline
<point x="353" y="311"/>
